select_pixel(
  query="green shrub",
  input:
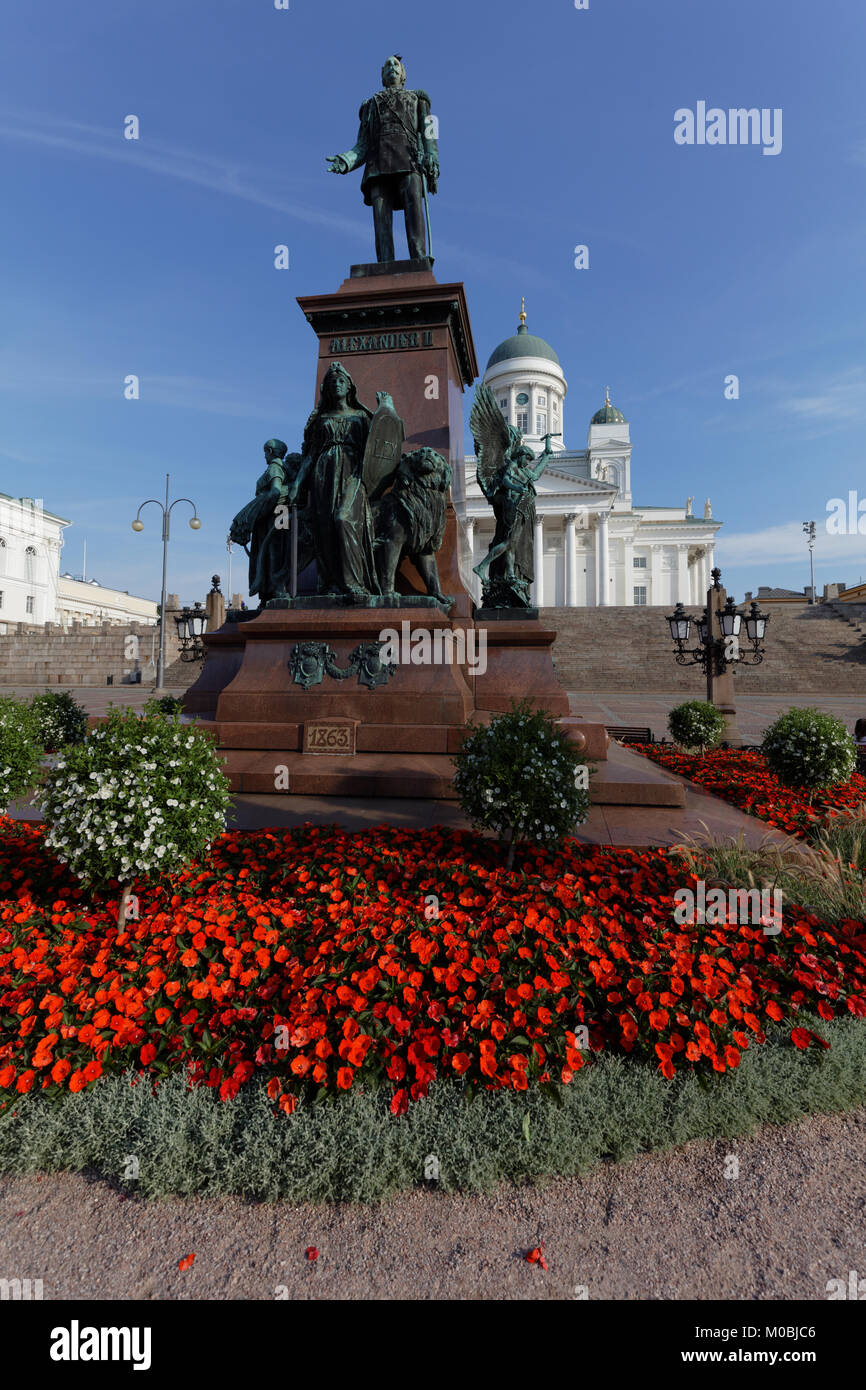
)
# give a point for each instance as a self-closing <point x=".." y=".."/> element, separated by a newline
<point x="62" y="721"/>
<point x="20" y="750"/>
<point x="696" y="724"/>
<point x="522" y="777"/>
<point x="807" y="748"/>
<point x="168" y="704"/>
<point x="140" y="795"/>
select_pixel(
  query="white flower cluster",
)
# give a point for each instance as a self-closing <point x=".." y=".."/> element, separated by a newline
<point x="511" y="777"/>
<point x="19" y="752"/>
<point x="808" y="748"/>
<point x="137" y="797"/>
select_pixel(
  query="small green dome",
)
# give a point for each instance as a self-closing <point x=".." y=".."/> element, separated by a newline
<point x="608" y="415"/>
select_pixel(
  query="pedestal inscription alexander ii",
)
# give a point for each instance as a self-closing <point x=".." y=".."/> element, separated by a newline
<point x="382" y="342"/>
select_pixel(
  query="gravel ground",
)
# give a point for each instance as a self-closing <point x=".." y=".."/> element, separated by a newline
<point x="663" y="1227"/>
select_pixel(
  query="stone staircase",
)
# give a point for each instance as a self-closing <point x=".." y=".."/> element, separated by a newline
<point x="852" y="613"/>
<point x="80" y="656"/>
<point x="820" y="649"/>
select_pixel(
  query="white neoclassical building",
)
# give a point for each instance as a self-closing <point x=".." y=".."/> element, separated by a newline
<point x="32" y="588"/>
<point x="30" y="543"/>
<point x="593" y="545"/>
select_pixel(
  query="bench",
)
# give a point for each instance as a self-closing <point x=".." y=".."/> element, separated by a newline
<point x="630" y="733"/>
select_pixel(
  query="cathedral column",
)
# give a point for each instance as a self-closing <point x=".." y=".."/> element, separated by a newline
<point x="470" y="539"/>
<point x="570" y="561"/>
<point x="603" y="561"/>
<point x="628" y="568"/>
<point x="655" y="575"/>
<point x="682" y="594"/>
<point x="704" y="573"/>
<point x="512" y="407"/>
<point x="539" y="562"/>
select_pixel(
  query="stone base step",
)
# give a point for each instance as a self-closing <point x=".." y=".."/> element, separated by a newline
<point x="408" y="775"/>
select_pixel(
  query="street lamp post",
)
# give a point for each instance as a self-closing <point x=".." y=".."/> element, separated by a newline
<point x="810" y="528"/>
<point x="138" y="525"/>
<point x="718" y="654"/>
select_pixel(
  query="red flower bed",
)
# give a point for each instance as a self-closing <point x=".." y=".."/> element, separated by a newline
<point x="326" y="959"/>
<point x="743" y="778"/>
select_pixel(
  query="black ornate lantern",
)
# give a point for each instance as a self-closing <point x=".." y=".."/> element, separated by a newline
<point x="714" y="653"/>
<point x="680" y="624"/>
<point x="756" y="624"/>
<point x="729" y="619"/>
<point x="191" y="627"/>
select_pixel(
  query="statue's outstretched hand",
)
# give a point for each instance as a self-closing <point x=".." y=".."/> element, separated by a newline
<point x="337" y="164"/>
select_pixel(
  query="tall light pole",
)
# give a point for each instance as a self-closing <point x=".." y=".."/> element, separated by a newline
<point x="719" y="653"/>
<point x="138" y="525"/>
<point x="810" y="528"/>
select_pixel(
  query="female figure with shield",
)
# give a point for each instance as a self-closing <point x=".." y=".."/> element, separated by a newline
<point x="331" y="469"/>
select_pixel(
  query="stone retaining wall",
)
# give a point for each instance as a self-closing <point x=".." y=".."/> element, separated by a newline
<point x="79" y="655"/>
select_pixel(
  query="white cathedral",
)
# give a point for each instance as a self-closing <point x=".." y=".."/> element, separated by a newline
<point x="593" y="546"/>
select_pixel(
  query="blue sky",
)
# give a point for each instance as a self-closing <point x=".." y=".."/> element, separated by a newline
<point x="155" y="256"/>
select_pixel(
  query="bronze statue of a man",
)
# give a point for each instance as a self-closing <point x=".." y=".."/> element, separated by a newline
<point x="400" y="157"/>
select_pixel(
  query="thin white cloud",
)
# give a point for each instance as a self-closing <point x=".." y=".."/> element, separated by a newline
<point x="787" y="543"/>
<point x="225" y="177"/>
<point x="219" y="175"/>
<point x="42" y="376"/>
<point x="841" y="400"/>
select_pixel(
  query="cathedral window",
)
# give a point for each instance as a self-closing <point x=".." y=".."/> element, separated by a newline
<point x="28" y="606"/>
<point x="523" y="421"/>
<point x="640" y="595"/>
<point x="639" y="562"/>
<point x="541" y="423"/>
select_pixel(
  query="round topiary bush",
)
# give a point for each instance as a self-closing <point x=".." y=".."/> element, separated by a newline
<point x="696" y="724"/>
<point x="20" y="750"/>
<point x="61" y="720"/>
<point x="808" y="748"/>
<point x="522" y="777"/>
<point x="168" y="704"/>
<point x="141" y="795"/>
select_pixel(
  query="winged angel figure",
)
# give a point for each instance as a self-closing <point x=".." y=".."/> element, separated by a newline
<point x="507" y="473"/>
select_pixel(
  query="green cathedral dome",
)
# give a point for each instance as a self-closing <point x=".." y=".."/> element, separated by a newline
<point x="522" y="344"/>
<point x="608" y="415"/>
